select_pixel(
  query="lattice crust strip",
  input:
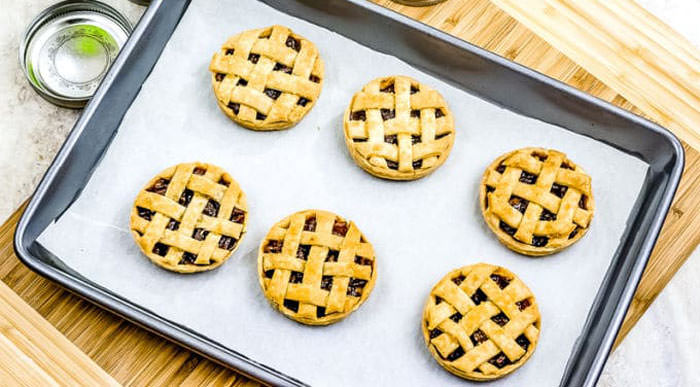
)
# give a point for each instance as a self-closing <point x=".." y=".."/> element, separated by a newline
<point x="536" y="200"/>
<point x="267" y="78"/>
<point x="397" y="128"/>
<point x="316" y="267"/>
<point x="481" y="322"/>
<point x="189" y="218"/>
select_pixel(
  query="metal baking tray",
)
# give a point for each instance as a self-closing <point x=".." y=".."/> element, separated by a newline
<point x="465" y="66"/>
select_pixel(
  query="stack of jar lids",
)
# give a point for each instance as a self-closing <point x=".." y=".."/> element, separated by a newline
<point x="68" y="48"/>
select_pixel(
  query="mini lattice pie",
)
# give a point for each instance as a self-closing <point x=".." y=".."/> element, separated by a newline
<point x="189" y="218"/>
<point x="267" y="79"/>
<point x="316" y="267"/>
<point x="481" y="322"/>
<point x="537" y="201"/>
<point x="399" y="129"/>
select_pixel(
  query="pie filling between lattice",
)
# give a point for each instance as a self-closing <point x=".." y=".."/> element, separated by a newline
<point x="200" y="232"/>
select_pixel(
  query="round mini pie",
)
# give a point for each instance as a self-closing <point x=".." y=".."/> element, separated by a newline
<point x="315" y="267"/>
<point x="189" y="218"/>
<point x="398" y="129"/>
<point x="536" y="201"/>
<point x="268" y="78"/>
<point x="481" y="322"/>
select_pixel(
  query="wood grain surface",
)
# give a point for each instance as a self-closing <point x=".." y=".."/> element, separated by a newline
<point x="34" y="353"/>
<point x="135" y="357"/>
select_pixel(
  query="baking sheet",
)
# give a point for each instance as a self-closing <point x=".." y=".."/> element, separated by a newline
<point x="420" y="229"/>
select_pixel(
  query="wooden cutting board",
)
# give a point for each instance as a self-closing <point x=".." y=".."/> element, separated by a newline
<point x="133" y="356"/>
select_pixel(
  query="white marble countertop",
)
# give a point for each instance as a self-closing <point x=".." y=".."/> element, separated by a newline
<point x="660" y="351"/>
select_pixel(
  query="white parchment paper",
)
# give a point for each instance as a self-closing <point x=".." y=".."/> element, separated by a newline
<point x="420" y="229"/>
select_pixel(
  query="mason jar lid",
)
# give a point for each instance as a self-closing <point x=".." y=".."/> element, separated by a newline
<point x="68" y="48"/>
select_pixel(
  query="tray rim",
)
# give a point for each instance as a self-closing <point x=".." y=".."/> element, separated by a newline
<point x="574" y="374"/>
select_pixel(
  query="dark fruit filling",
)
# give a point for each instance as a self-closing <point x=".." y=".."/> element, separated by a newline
<point x="200" y="234"/>
<point x="260" y="116"/>
<point x="518" y="203"/>
<point x="363" y="261"/>
<point x="340" y="228"/>
<point x="573" y="233"/>
<point x="291" y="305"/>
<point x="302" y="101"/>
<point x="439" y="113"/>
<point x="358" y="116"/>
<point x="293" y="44"/>
<point x="392" y="165"/>
<point x="355" y="287"/>
<point x="303" y="252"/>
<point x="310" y="224"/>
<point x="199" y="171"/>
<point x="417" y="164"/>
<point x="220" y="77"/>
<point x="145" y="213"/>
<point x="237" y="215"/>
<point x="185" y="197"/>
<point x="435" y="333"/>
<point x="388" y="114"/>
<point x="500" y="360"/>
<point x="479" y="296"/>
<point x="528" y="178"/>
<point x="391" y="139"/>
<point x="253" y="58"/>
<point x="273" y="247"/>
<point x="234" y="106"/>
<point x="456" y="354"/>
<point x="415" y="113"/>
<point x="501" y="168"/>
<point x="583" y="202"/>
<point x="332" y="256"/>
<point x="523" y="342"/>
<point x="227" y="243"/>
<point x="212" y="208"/>
<point x="566" y="165"/>
<point x="539" y="241"/>
<point x="523" y="304"/>
<point x="458" y="280"/>
<point x="388" y="89"/>
<point x="414" y="89"/>
<point x="506" y="228"/>
<point x="359" y="140"/>
<point x="326" y="282"/>
<point x="160" y="249"/>
<point x="272" y="93"/>
<point x="500" y="319"/>
<point x="173" y="225"/>
<point x="282" y="68"/>
<point x="159" y="187"/>
<point x="539" y="156"/>
<point x="314" y="79"/>
<point x="456" y="317"/>
<point x="223" y="182"/>
<point x="188" y="258"/>
<point x="500" y="280"/>
<point x="546" y="215"/>
<point x="269" y="273"/>
<point x="441" y="135"/>
<point x="415" y="139"/>
<point x="296" y="277"/>
<point x="320" y="311"/>
<point x="478" y="337"/>
<point x="559" y="190"/>
<point x="242" y="82"/>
